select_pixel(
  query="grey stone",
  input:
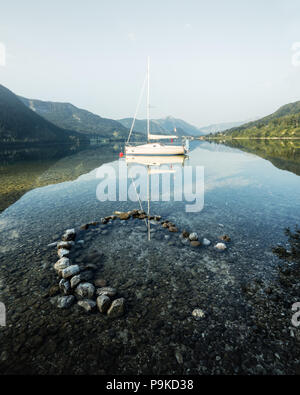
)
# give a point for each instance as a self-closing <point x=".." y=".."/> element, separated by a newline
<point x="70" y="271"/>
<point x="64" y="286"/>
<point x="52" y="244"/>
<point x="85" y="291"/>
<point x="220" y="246"/>
<point x="62" y="252"/>
<point x="206" y="242"/>
<point x="195" y="243"/>
<point x="193" y="236"/>
<point x="64" y="302"/>
<point x="69" y="234"/>
<point x="108" y="291"/>
<point x="100" y="282"/>
<point x="198" y="313"/>
<point x="103" y="303"/>
<point x="65" y="244"/>
<point x="87" y="304"/>
<point x="75" y="280"/>
<point x="179" y="357"/>
<point x="117" y="308"/>
<point x="61" y="264"/>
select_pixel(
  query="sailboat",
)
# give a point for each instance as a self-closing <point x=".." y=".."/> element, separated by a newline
<point x="153" y="148"/>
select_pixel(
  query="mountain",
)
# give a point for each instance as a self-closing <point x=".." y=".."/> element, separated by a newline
<point x="67" y="116"/>
<point x="283" y="123"/>
<point x="163" y="126"/>
<point x="18" y="124"/>
<point x="219" y="127"/>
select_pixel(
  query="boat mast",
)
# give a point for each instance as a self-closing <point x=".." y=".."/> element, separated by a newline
<point x="148" y="99"/>
<point x="148" y="195"/>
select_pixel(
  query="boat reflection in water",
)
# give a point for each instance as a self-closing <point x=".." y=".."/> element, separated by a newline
<point x="154" y="166"/>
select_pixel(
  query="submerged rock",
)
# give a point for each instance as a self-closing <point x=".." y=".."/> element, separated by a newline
<point x="87" y="304"/>
<point x="185" y="234"/>
<point x="62" y="252"/>
<point x="85" y="291"/>
<point x="133" y="212"/>
<point x="220" y="246"/>
<point x="64" y="286"/>
<point x="67" y="245"/>
<point x="193" y="236"/>
<point x="93" y="223"/>
<point x="117" y="308"/>
<point x="103" y="303"/>
<point x="108" y="291"/>
<point x="64" y="302"/>
<point x="198" y="313"/>
<point x="195" y="243"/>
<point x="124" y="216"/>
<point x="69" y="235"/>
<point x="173" y="229"/>
<point x="52" y="244"/>
<point x="206" y="242"/>
<point x="70" y="271"/>
<point x="179" y="357"/>
<point x="100" y="282"/>
<point x="61" y="264"/>
<point x="225" y="238"/>
<point x="75" y="280"/>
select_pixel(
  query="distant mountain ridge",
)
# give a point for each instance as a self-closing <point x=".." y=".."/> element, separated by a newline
<point x="18" y="124"/>
<point x="283" y="123"/>
<point x="68" y="116"/>
<point x="163" y="126"/>
<point x="219" y="127"/>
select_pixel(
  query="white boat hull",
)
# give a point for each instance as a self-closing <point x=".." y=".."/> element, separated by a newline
<point x="155" y="149"/>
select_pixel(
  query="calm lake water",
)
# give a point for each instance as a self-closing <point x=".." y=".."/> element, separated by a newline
<point x="251" y="193"/>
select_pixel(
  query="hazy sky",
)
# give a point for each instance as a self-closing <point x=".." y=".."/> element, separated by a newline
<point x="211" y="61"/>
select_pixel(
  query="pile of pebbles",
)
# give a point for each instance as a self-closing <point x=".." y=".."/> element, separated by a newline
<point x="75" y="283"/>
<point x="187" y="238"/>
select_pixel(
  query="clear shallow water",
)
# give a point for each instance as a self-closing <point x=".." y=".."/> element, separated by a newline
<point x="249" y="196"/>
<point x="246" y="197"/>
